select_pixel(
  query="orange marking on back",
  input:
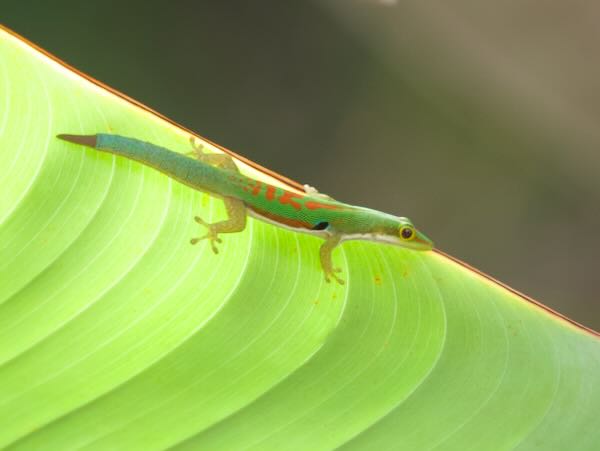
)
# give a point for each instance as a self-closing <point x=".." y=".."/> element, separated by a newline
<point x="256" y="188"/>
<point x="288" y="198"/>
<point x="311" y="205"/>
<point x="270" y="192"/>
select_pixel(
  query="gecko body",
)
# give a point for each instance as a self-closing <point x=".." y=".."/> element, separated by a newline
<point x="310" y="212"/>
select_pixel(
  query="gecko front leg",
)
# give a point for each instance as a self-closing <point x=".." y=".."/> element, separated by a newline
<point x="235" y="208"/>
<point x="325" y="253"/>
<point x="235" y="222"/>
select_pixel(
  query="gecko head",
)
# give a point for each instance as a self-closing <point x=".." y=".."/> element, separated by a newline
<point x="389" y="229"/>
<point x="408" y="236"/>
<point x="372" y="225"/>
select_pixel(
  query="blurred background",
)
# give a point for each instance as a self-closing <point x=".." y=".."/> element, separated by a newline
<point x="478" y="120"/>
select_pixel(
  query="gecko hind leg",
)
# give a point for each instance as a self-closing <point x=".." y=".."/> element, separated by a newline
<point x="220" y="160"/>
<point x="235" y="222"/>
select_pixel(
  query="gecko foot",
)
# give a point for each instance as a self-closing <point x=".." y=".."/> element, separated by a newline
<point x="212" y="235"/>
<point x="213" y="240"/>
<point x="312" y="191"/>
<point x="332" y="275"/>
<point x="195" y="145"/>
<point x="197" y="149"/>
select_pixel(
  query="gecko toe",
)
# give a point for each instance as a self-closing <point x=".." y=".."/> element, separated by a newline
<point x="333" y="276"/>
<point x="212" y="240"/>
<point x="338" y="280"/>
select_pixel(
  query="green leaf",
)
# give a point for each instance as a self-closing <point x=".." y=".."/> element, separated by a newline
<point x="117" y="333"/>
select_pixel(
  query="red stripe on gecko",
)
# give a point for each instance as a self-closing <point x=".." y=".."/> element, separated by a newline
<point x="288" y="198"/>
<point x="318" y="205"/>
<point x="270" y="192"/>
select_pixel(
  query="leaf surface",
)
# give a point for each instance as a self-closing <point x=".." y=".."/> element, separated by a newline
<point x="116" y="333"/>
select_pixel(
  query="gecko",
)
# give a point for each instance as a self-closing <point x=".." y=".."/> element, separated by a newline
<point x="310" y="212"/>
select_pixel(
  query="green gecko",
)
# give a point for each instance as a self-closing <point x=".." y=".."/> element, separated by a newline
<point x="311" y="212"/>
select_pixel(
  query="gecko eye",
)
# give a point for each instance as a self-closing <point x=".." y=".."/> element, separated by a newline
<point x="407" y="233"/>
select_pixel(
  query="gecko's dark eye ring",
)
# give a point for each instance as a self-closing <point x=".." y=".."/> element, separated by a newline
<point x="321" y="226"/>
<point x="407" y="233"/>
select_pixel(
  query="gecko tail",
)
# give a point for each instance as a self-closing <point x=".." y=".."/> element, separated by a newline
<point x="85" y="140"/>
